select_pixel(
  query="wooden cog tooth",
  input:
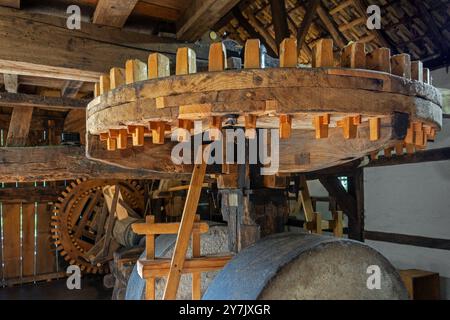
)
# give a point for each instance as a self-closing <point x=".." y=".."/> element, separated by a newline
<point x="401" y="65"/>
<point x="320" y="124"/>
<point x="116" y="77"/>
<point x="354" y="56"/>
<point x="323" y="54"/>
<point x="158" y="66"/>
<point x="104" y="84"/>
<point x="186" y="61"/>
<point x="285" y="126"/>
<point x="379" y="60"/>
<point x="288" y="53"/>
<point x="135" y="70"/>
<point x="252" y="54"/>
<point x="217" y="57"/>
<point x="250" y="126"/>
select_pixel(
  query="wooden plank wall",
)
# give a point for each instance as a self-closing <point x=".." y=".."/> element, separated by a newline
<point x="26" y="250"/>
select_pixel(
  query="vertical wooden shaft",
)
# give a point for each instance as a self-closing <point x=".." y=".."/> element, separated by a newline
<point x="185" y="230"/>
<point x="196" y="276"/>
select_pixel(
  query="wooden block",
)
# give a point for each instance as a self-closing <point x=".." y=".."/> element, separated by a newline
<point x="117" y="77"/>
<point x="401" y="65"/>
<point x="137" y="134"/>
<point x="111" y="144"/>
<point x="288" y="53"/>
<point x="338" y="224"/>
<point x="417" y="71"/>
<point x="158" y="66"/>
<point x="104" y="84"/>
<point x="275" y="182"/>
<point x="354" y="56"/>
<point x="217" y="57"/>
<point x="104" y="136"/>
<point x="399" y="148"/>
<point x="379" y="60"/>
<point x="323" y="54"/>
<point x="374" y="124"/>
<point x="122" y="139"/>
<point x="96" y="90"/>
<point x="374" y="155"/>
<point x="250" y="126"/>
<point x="285" y="126"/>
<point x="420" y="138"/>
<point x="187" y="126"/>
<point x="252" y="54"/>
<point x="421" y="285"/>
<point x="186" y="61"/>
<point x="349" y="126"/>
<point x="321" y="126"/>
<point x="410" y="149"/>
<point x="135" y="70"/>
<point x="409" y="139"/>
<point x="426" y="76"/>
<point x="388" y="152"/>
<point x="158" y="129"/>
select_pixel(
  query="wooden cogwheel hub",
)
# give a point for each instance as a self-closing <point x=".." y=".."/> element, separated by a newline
<point x="338" y="110"/>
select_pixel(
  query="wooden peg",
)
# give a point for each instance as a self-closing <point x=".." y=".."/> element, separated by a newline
<point x="323" y="54"/>
<point x="401" y="65"/>
<point x="252" y="54"/>
<point x="137" y="134"/>
<point x="338" y="224"/>
<point x="388" y="152"/>
<point x="217" y="57"/>
<point x="409" y="139"/>
<point x="399" y="148"/>
<point x="96" y="89"/>
<point x="158" y="129"/>
<point x="117" y="77"/>
<point x="420" y="139"/>
<point x="158" y="66"/>
<point x="354" y="56"/>
<point x="186" y="61"/>
<point x="122" y="139"/>
<point x="250" y="126"/>
<point x="150" y="255"/>
<point x="379" y="60"/>
<point x="374" y="155"/>
<point x="417" y="71"/>
<point x="104" y="136"/>
<point x="285" y="126"/>
<point x="111" y="144"/>
<point x="135" y="70"/>
<point x="321" y="126"/>
<point x="410" y="149"/>
<point x="426" y="76"/>
<point x="350" y="127"/>
<point x="187" y="126"/>
<point x="288" y="53"/>
<point x="374" y="128"/>
<point x="104" y="84"/>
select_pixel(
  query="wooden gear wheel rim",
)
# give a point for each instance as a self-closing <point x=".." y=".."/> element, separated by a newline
<point x="72" y="204"/>
<point x="367" y="90"/>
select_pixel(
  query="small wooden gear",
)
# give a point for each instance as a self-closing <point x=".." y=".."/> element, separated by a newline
<point x="327" y="115"/>
<point x="75" y="220"/>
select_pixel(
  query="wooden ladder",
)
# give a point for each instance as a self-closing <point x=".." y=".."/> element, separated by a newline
<point x="151" y="267"/>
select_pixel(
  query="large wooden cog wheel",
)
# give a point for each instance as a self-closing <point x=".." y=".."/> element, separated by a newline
<point x="77" y="214"/>
<point x="360" y="105"/>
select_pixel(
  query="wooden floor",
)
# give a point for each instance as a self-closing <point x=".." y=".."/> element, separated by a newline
<point x="91" y="289"/>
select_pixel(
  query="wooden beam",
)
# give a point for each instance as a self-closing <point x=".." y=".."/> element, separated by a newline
<point x="10" y="3"/>
<point x="186" y="224"/>
<point x="330" y="26"/>
<point x="65" y="163"/>
<point x="254" y="34"/>
<point x="43" y="46"/>
<point x="306" y="22"/>
<point x="431" y="155"/>
<point x="31" y="194"/>
<point x="71" y="89"/>
<point x="19" y="126"/>
<point x="201" y="16"/>
<point x="279" y="20"/>
<point x="113" y="13"/>
<point x="409" y="240"/>
<point x="28" y="100"/>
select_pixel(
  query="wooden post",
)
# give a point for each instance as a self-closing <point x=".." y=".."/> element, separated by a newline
<point x="184" y="233"/>
<point x="150" y="255"/>
<point x="196" y="276"/>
